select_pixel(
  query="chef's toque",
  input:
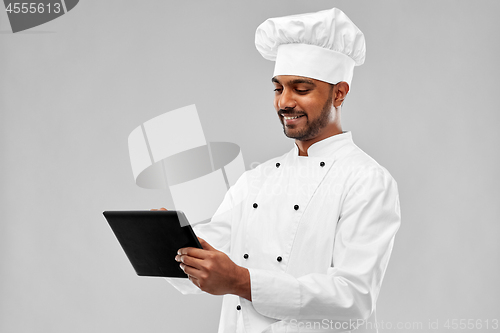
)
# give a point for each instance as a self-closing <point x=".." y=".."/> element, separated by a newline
<point x="324" y="46"/>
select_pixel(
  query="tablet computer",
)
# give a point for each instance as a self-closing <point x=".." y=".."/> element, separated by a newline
<point x="151" y="239"/>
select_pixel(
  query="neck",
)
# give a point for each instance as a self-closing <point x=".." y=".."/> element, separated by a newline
<point x="304" y="145"/>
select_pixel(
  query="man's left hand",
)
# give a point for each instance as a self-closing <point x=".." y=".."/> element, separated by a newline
<point x="213" y="271"/>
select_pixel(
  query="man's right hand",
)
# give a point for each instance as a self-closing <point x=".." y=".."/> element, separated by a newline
<point x="160" y="209"/>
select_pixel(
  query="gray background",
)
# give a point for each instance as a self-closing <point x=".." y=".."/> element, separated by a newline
<point x="424" y="105"/>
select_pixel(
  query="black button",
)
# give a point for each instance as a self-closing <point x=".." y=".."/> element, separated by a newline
<point x="245" y="256"/>
<point x="279" y="259"/>
<point x="278" y="165"/>
<point x="322" y="164"/>
<point x="255" y="205"/>
<point x="296" y="207"/>
<point x="238" y="308"/>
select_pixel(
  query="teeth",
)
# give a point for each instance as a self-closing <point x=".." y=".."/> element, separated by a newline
<point x="289" y="118"/>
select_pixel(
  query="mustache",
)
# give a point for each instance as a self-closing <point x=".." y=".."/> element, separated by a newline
<point x="290" y="113"/>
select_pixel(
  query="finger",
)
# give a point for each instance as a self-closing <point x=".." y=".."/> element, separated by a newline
<point x="194" y="280"/>
<point x="193" y="252"/>
<point x="205" y="245"/>
<point x="190" y="270"/>
<point x="162" y="208"/>
<point x="190" y="261"/>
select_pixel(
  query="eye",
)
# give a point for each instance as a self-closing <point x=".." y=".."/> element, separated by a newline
<point x="278" y="90"/>
<point x="302" y="91"/>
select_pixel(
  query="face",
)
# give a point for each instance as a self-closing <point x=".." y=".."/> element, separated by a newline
<point x="304" y="106"/>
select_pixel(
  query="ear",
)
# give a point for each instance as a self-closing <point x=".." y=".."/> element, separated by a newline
<point x="341" y="90"/>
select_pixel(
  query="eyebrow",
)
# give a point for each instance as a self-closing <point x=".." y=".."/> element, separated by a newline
<point x="296" y="81"/>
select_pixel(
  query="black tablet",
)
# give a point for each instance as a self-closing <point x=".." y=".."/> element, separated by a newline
<point x="151" y="239"/>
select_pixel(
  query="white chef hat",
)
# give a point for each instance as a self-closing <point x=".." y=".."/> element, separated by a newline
<point x="325" y="45"/>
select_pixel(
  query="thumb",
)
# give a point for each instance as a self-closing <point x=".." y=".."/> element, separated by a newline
<point x="205" y="245"/>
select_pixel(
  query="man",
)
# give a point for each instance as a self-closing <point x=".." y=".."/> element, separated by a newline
<point x="301" y="243"/>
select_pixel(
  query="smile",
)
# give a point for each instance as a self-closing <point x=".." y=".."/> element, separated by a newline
<point x="290" y="118"/>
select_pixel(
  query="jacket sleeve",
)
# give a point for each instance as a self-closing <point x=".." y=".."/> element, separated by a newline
<point x="368" y="221"/>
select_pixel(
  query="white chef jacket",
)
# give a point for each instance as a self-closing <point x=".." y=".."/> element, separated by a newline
<point x="315" y="232"/>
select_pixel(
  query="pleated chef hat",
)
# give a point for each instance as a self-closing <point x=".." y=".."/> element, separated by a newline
<point x="325" y="45"/>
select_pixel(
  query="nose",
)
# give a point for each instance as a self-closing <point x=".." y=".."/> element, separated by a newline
<point x="286" y="100"/>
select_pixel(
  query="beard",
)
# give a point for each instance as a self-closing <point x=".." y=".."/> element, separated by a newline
<point x="311" y="129"/>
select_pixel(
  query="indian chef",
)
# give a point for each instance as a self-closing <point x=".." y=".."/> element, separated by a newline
<point x="301" y="243"/>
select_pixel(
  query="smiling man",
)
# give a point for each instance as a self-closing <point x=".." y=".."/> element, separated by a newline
<point x="302" y="242"/>
<point x="295" y="95"/>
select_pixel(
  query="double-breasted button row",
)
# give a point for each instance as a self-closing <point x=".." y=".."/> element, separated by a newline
<point x="296" y="207"/>
<point x="321" y="164"/>
<point x="279" y="259"/>
<point x="255" y="205"/>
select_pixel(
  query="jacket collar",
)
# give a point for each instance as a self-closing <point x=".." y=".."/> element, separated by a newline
<point x="326" y="147"/>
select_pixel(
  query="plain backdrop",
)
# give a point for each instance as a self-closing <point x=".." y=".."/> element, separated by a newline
<point x="424" y="105"/>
